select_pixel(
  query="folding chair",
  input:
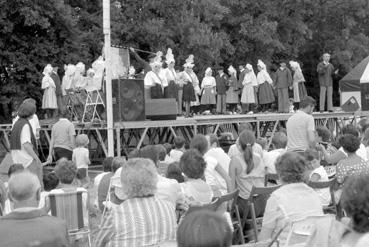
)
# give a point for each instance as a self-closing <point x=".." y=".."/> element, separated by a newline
<point x="213" y="206"/>
<point x="257" y="193"/>
<point x="72" y="103"/>
<point x="93" y="99"/>
<point x="333" y="207"/>
<point x="270" y="178"/>
<point x="69" y="207"/>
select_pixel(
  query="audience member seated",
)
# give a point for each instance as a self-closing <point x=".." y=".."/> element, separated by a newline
<point x="175" y="172"/>
<point x="103" y="188"/>
<point x="27" y="225"/>
<point x="204" y="228"/>
<point x="352" y="164"/>
<point x="163" y="161"/>
<point x="51" y="181"/>
<point x="341" y="154"/>
<point x="279" y="144"/>
<point x="167" y="189"/>
<point x="142" y="219"/>
<point x="355" y="203"/>
<point x="246" y="170"/>
<point x="293" y="201"/>
<point x="168" y="147"/>
<point x="179" y="148"/>
<point x="324" y="137"/>
<point x="215" y="175"/>
<point x="318" y="174"/>
<point x="196" y="191"/>
<point x="107" y="163"/>
<point x="217" y="152"/>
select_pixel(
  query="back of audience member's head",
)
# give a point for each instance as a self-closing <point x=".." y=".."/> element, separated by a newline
<point x="150" y="152"/>
<point x="168" y="147"/>
<point x="162" y="152"/>
<point x="65" y="170"/>
<point x="135" y="153"/>
<point x="204" y="228"/>
<point x="64" y="114"/>
<point x="244" y="126"/>
<point x="350" y="129"/>
<point x="139" y="178"/>
<point x="26" y="110"/>
<point x="24" y="187"/>
<point x="117" y="163"/>
<point x="324" y="133"/>
<point x="174" y="172"/>
<point x="82" y="140"/>
<point x="307" y="101"/>
<point x="107" y="164"/>
<point x="355" y="202"/>
<point x="282" y="130"/>
<point x="179" y="142"/>
<point x="349" y="143"/>
<point x="199" y="143"/>
<point x="192" y="164"/>
<point x="262" y="141"/>
<point x="291" y="167"/>
<point x="246" y="141"/>
<point x="29" y="100"/>
<point x="14" y="169"/>
<point x="312" y="158"/>
<point x="279" y="140"/>
<point x="50" y="180"/>
<point x="213" y="139"/>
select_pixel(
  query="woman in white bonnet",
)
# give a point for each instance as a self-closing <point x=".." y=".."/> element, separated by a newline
<point x="299" y="89"/>
<point x="248" y="94"/>
<point x="208" y="91"/>
<point x="266" y="93"/>
<point x="171" y="91"/>
<point x="49" y="101"/>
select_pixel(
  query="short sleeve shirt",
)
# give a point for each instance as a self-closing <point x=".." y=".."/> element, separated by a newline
<point x="61" y="132"/>
<point x="21" y="156"/>
<point x="346" y="169"/>
<point x="81" y="157"/>
<point x="298" y="126"/>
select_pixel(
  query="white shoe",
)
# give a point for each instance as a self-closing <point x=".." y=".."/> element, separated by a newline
<point x="250" y="112"/>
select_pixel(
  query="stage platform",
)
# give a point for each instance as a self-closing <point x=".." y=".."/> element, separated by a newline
<point x="130" y="135"/>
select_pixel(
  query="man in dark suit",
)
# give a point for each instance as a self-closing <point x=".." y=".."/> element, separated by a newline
<point x="59" y="96"/>
<point x="27" y="225"/>
<point x="221" y="82"/>
<point x="239" y="83"/>
<point x="283" y="81"/>
<point x="325" y="72"/>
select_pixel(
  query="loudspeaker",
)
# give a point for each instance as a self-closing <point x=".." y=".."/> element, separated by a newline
<point x="161" y="109"/>
<point x="350" y="105"/>
<point x="128" y="100"/>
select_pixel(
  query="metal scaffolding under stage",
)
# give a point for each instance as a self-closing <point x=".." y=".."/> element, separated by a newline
<point x="130" y="135"/>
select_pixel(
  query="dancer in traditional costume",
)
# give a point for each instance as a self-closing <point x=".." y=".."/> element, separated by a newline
<point x="171" y="91"/>
<point x="248" y="92"/>
<point x="189" y="81"/>
<point x="49" y="100"/>
<point x="208" y="89"/>
<point x="154" y="81"/>
<point x="298" y="86"/>
<point x="232" y="92"/>
<point x="265" y="89"/>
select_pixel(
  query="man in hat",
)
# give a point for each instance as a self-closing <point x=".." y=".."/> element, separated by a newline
<point x="58" y="91"/>
<point x="325" y="71"/>
<point x="221" y="80"/>
<point x="283" y="80"/>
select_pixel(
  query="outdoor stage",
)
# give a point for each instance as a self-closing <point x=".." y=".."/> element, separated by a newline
<point x="130" y="135"/>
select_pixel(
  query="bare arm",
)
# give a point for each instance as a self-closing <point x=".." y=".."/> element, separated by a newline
<point x="232" y="174"/>
<point x="29" y="148"/>
<point x="311" y="138"/>
<point x="225" y="176"/>
<point x="315" y="177"/>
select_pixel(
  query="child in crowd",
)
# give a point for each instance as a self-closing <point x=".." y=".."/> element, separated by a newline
<point x="175" y="172"/>
<point x="179" y="148"/>
<point x="318" y="174"/>
<point x="51" y="181"/>
<point x="81" y="158"/>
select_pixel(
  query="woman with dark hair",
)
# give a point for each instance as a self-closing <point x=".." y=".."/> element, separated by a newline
<point x="23" y="141"/>
<point x="204" y="228"/>
<point x="353" y="164"/>
<point x="294" y="201"/>
<point x="246" y="169"/>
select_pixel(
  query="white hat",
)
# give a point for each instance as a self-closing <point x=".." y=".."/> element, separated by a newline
<point x="249" y="67"/>
<point x="80" y="67"/>
<point x="158" y="56"/>
<point x="208" y="71"/>
<point x="48" y="69"/>
<point x="90" y="71"/>
<point x="70" y="70"/>
<point x="295" y="65"/>
<point x="132" y="70"/>
<point x="232" y="70"/>
<point x="189" y="62"/>
<point x="261" y="64"/>
<point x="169" y="57"/>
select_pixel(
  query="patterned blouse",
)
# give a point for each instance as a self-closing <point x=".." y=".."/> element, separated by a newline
<point x="351" y="167"/>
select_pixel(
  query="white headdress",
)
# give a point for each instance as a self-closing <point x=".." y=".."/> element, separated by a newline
<point x="80" y="67"/>
<point x="70" y="70"/>
<point x="132" y="70"/>
<point x="169" y="57"/>
<point x="208" y="71"/>
<point x="157" y="61"/>
<point x="48" y="69"/>
<point x="90" y="71"/>
<point x="295" y="65"/>
<point x="232" y="70"/>
<point x="261" y="64"/>
<point x="249" y="67"/>
<point x="189" y="62"/>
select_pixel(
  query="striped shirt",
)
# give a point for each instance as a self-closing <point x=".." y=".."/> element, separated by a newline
<point x="138" y="222"/>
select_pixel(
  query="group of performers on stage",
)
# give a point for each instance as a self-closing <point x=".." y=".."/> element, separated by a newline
<point x="230" y="93"/>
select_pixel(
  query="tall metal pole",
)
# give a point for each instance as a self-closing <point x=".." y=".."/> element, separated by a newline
<point x="109" y="104"/>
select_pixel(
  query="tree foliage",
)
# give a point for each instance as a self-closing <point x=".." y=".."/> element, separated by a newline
<point x="35" y="32"/>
